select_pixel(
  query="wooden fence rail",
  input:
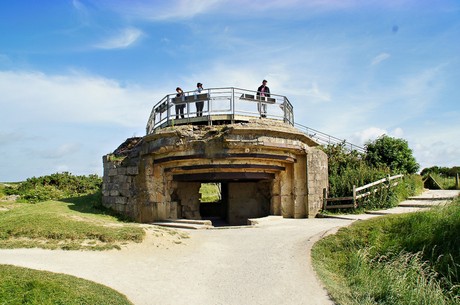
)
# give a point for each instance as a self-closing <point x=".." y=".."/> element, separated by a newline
<point x="357" y="193"/>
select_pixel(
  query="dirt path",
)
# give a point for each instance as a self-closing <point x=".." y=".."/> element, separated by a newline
<point x="266" y="264"/>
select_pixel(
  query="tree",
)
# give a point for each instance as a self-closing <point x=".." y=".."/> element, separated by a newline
<point x="393" y="153"/>
<point x="443" y="171"/>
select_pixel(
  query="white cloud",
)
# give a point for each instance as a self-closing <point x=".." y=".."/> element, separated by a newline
<point x="372" y="133"/>
<point x="185" y="9"/>
<point x="122" y="39"/>
<point x="379" y="58"/>
<point x="30" y="97"/>
<point x="84" y="15"/>
<point x="158" y="10"/>
<point x="316" y="93"/>
<point x="78" y="6"/>
<point x="440" y="153"/>
<point x="12" y="137"/>
<point x="64" y="150"/>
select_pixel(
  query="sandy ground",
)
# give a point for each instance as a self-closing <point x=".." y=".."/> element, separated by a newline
<point x="265" y="264"/>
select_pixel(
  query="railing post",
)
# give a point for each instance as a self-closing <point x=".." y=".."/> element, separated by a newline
<point x="168" y="110"/>
<point x="456" y="182"/>
<point x="355" y="204"/>
<point x="285" y="111"/>
<point x="232" y="105"/>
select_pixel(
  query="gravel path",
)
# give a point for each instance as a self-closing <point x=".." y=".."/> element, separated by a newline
<point x="266" y="264"/>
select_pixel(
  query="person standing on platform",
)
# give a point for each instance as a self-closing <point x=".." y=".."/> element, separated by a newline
<point x="262" y="93"/>
<point x="199" y="105"/>
<point x="180" y="105"/>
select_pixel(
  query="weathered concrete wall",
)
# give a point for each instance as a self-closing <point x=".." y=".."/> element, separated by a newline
<point x="189" y="197"/>
<point x="247" y="200"/>
<point x="119" y="187"/>
<point x="317" y="180"/>
<point x="159" y="176"/>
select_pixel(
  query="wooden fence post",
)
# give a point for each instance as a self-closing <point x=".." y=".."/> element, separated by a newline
<point x="457" y="186"/>
<point x="324" y="198"/>
<point x="355" y="205"/>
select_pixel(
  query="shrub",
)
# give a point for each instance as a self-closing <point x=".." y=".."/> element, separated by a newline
<point x="56" y="186"/>
<point x="392" y="153"/>
<point x="348" y="169"/>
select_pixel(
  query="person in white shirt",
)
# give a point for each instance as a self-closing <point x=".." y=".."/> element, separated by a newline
<point x="199" y="105"/>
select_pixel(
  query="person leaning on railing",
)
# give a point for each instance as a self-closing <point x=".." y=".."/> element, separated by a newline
<point x="199" y="105"/>
<point x="180" y="107"/>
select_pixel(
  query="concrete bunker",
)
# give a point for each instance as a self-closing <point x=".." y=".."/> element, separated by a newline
<point x="264" y="166"/>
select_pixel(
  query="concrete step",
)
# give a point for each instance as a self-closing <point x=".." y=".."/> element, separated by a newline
<point x="191" y="224"/>
<point x="431" y="198"/>
<point x="422" y="203"/>
<point x="435" y="195"/>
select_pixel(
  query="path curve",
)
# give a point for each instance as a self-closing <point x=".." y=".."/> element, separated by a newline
<point x="266" y="264"/>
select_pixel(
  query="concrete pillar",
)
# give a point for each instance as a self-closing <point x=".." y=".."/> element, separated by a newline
<point x="317" y="180"/>
<point x="300" y="187"/>
<point x="286" y="192"/>
<point x="275" y="201"/>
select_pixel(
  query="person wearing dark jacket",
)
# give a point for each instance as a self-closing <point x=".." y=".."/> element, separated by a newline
<point x="180" y="105"/>
<point x="262" y="92"/>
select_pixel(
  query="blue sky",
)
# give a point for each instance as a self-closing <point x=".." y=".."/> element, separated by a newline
<point x="79" y="77"/>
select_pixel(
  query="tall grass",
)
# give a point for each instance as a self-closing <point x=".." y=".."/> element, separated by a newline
<point x="348" y="169"/>
<point x="400" y="259"/>
<point x="404" y="279"/>
<point x="446" y="182"/>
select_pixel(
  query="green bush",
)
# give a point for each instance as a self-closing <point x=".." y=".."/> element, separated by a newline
<point x="392" y="153"/>
<point x="348" y="169"/>
<point x="55" y="186"/>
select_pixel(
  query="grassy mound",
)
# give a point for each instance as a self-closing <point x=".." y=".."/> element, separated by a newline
<point x="26" y="286"/>
<point x="71" y="225"/>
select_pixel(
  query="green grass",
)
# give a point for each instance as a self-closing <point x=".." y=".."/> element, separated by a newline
<point x="26" y="286"/>
<point x="210" y="192"/>
<point x="73" y="224"/>
<point x="447" y="183"/>
<point x="70" y="223"/>
<point x="399" y="259"/>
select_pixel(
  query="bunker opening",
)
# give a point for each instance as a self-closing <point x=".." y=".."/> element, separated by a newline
<point x="225" y="199"/>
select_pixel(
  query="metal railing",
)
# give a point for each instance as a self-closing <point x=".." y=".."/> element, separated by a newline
<point x="231" y="104"/>
<point x="218" y="103"/>
<point x="325" y="139"/>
